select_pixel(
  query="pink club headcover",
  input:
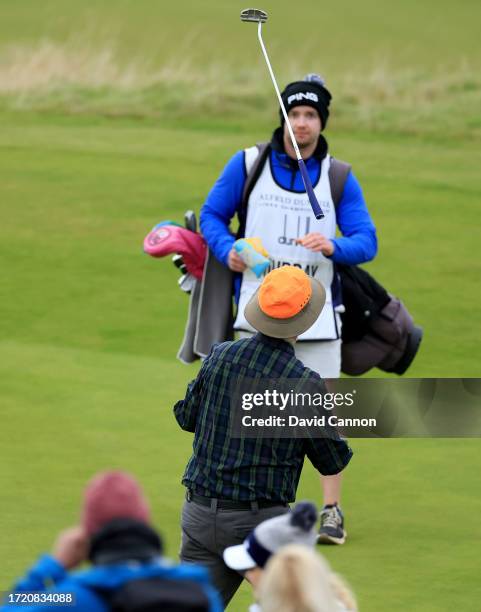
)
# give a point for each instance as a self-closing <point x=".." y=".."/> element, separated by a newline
<point x="168" y="239"/>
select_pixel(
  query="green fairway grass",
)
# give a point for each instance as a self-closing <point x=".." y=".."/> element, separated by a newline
<point x="91" y="158"/>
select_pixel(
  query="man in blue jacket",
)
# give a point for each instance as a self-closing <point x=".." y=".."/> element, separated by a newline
<point x="278" y="212"/>
<point x="127" y="573"/>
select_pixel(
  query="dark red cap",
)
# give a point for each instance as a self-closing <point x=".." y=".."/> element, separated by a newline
<point x="112" y="495"/>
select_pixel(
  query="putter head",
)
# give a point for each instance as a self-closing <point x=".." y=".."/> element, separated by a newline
<point x="255" y="15"/>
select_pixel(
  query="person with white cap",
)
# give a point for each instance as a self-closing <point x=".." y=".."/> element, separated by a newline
<point x="296" y="527"/>
<point x="278" y="559"/>
<point x="232" y="484"/>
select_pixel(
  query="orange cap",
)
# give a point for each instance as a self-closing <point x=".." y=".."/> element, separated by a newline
<point x="284" y="292"/>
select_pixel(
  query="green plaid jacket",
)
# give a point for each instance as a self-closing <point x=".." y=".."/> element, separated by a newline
<point x="224" y="467"/>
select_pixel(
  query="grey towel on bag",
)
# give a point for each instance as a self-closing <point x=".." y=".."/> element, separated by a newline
<point x="210" y="319"/>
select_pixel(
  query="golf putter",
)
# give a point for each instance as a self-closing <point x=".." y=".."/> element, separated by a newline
<point x="260" y="17"/>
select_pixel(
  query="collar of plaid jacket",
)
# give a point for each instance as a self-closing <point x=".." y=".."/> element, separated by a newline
<point x="279" y="343"/>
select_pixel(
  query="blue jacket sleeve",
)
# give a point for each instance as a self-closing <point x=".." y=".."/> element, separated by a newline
<point x="49" y="576"/>
<point x="358" y="243"/>
<point x="221" y="205"/>
<point x="46" y="569"/>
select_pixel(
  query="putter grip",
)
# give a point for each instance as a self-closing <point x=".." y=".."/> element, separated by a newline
<point x="316" y="209"/>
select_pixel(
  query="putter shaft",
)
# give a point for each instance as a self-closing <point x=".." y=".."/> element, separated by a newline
<point x="258" y="16"/>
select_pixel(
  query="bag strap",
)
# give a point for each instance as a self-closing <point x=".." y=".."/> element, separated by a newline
<point x="254" y="166"/>
<point x="255" y="160"/>
<point x="338" y="172"/>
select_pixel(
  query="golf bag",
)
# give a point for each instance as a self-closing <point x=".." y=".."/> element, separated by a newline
<point x="377" y="329"/>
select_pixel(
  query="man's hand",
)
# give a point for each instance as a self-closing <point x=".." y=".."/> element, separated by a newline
<point x="317" y="242"/>
<point x="235" y="262"/>
<point x="71" y="547"/>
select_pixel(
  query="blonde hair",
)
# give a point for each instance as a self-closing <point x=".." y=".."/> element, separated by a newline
<point x="297" y="579"/>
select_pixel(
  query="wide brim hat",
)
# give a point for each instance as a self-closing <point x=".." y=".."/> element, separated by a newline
<point x="289" y="327"/>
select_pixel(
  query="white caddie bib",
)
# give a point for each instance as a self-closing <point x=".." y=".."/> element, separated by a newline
<point x="279" y="217"/>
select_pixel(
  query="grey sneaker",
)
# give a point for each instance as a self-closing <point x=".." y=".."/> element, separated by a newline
<point x="332" y="526"/>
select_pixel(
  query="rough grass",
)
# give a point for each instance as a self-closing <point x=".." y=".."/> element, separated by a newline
<point x="75" y="77"/>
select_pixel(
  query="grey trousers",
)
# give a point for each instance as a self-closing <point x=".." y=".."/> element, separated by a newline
<point x="207" y="532"/>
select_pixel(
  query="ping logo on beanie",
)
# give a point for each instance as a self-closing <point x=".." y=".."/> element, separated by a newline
<point x="308" y="95"/>
<point x="311" y="91"/>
